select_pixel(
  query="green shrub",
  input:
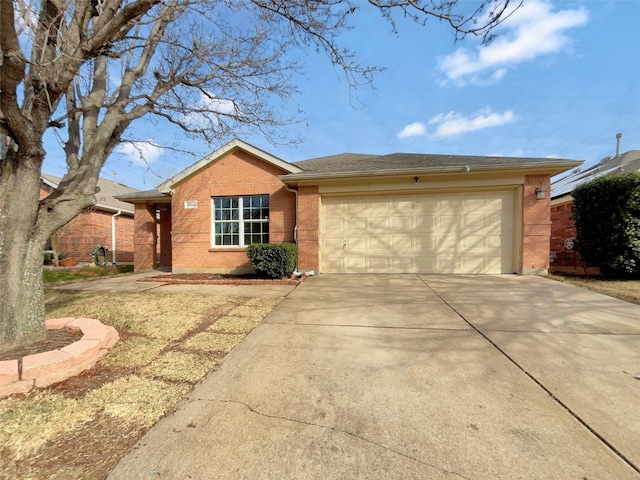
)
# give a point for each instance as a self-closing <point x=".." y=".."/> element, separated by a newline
<point x="606" y="212"/>
<point x="273" y="260"/>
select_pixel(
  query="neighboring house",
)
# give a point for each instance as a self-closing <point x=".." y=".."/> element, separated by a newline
<point x="563" y="231"/>
<point x="108" y="223"/>
<point x="351" y="213"/>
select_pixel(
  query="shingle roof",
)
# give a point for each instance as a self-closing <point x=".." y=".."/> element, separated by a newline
<point x="351" y="163"/>
<point x="106" y="197"/>
<point x="567" y="182"/>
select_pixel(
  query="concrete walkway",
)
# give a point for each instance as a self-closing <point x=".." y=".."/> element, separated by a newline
<point x="415" y="377"/>
<point x="131" y="283"/>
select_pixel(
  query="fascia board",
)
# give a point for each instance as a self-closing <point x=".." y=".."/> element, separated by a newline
<point x="539" y="167"/>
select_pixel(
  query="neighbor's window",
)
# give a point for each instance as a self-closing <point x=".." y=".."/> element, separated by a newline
<point x="240" y="221"/>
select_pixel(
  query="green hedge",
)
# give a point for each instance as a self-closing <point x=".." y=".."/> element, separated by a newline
<point x="273" y="260"/>
<point x="606" y="212"/>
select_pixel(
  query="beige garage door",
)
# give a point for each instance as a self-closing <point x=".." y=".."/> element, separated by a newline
<point x="443" y="233"/>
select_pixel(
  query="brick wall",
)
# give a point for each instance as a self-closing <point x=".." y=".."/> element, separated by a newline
<point x="562" y="227"/>
<point x="536" y="225"/>
<point x="91" y="228"/>
<point x="238" y="173"/>
<point x="308" y="228"/>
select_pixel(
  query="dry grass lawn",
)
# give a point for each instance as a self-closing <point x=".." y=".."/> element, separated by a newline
<point x="627" y="290"/>
<point x="80" y="428"/>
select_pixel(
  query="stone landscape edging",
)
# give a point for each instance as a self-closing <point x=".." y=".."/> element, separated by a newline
<point x="43" y="369"/>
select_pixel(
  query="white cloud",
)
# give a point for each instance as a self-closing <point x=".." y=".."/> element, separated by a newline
<point x="141" y="152"/>
<point x="207" y="109"/>
<point x="532" y="31"/>
<point x="416" y="129"/>
<point x="454" y="123"/>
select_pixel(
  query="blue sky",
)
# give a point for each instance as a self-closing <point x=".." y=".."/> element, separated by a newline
<point x="560" y="80"/>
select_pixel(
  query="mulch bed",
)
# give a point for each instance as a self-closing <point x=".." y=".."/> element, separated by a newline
<point x="55" y="340"/>
<point x="221" y="279"/>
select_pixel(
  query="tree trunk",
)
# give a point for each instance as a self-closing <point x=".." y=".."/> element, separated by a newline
<point x="26" y="222"/>
<point x="21" y="245"/>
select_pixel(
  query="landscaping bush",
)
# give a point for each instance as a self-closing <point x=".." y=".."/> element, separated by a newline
<point x="273" y="260"/>
<point x="606" y="212"/>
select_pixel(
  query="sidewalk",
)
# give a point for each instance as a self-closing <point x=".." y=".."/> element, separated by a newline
<point x="131" y="283"/>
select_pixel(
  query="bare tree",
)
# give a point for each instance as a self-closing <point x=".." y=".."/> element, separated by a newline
<point x="88" y="69"/>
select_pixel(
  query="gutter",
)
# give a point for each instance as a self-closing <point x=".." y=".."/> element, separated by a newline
<point x="449" y="169"/>
<point x="113" y="236"/>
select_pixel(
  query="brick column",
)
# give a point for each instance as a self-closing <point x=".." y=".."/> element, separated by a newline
<point x="308" y="228"/>
<point x="536" y="221"/>
<point x="144" y="237"/>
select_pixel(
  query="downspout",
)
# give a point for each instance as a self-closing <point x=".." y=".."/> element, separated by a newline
<point x="113" y="236"/>
<point x="295" y="228"/>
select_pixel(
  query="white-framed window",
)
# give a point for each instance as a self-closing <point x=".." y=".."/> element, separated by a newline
<point x="240" y="221"/>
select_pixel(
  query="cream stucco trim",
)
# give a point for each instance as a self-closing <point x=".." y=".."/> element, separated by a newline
<point x="518" y="232"/>
<point x="561" y="200"/>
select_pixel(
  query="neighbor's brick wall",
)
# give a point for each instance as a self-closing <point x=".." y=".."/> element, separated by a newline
<point x="562" y="227"/>
<point x="238" y="173"/>
<point x="308" y="228"/>
<point x="91" y="228"/>
<point x="536" y="228"/>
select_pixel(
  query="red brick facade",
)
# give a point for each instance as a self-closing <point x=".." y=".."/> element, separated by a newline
<point x="562" y="228"/>
<point x="238" y="173"/>
<point x="536" y="225"/>
<point x="92" y="227"/>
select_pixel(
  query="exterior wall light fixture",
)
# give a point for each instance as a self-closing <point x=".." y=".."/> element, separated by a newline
<point x="541" y="193"/>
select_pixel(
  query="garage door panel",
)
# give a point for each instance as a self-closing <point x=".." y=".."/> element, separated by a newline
<point x="379" y="205"/>
<point x="401" y="264"/>
<point x="399" y="244"/>
<point x="334" y="224"/>
<point x="379" y="243"/>
<point x="474" y="242"/>
<point x="402" y="205"/>
<point x="424" y="244"/>
<point x="357" y="223"/>
<point x="436" y="233"/>
<point x="426" y="264"/>
<point x="425" y="223"/>
<point x="400" y="223"/>
<point x="376" y="223"/>
<point x="446" y="263"/>
<point x="379" y="263"/>
<point x="472" y="264"/>
<point x="356" y="264"/>
<point x="356" y="243"/>
<point x="333" y="244"/>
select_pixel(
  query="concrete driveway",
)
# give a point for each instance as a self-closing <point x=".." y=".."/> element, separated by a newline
<point x="429" y="377"/>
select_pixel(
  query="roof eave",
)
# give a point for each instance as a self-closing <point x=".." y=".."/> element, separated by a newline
<point x="110" y="208"/>
<point x="552" y="168"/>
<point x="151" y="197"/>
<point x="236" y="144"/>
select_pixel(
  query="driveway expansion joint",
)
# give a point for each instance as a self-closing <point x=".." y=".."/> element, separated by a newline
<point x="327" y="427"/>
<point x="379" y="327"/>
<point x="537" y="382"/>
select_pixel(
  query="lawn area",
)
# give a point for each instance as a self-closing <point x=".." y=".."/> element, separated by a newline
<point x="627" y="290"/>
<point x="81" y="427"/>
<point x="54" y="275"/>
